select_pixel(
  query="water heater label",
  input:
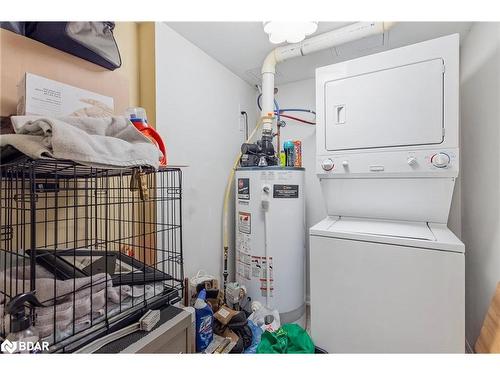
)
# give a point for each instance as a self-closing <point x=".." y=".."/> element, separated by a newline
<point x="243" y="270"/>
<point x="244" y="188"/>
<point x="256" y="267"/>
<point x="285" y="191"/>
<point x="244" y="222"/>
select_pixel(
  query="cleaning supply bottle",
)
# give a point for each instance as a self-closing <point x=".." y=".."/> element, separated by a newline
<point x="23" y="336"/>
<point x="282" y="159"/>
<point x="137" y="116"/>
<point x="204" y="321"/>
<point x="289" y="148"/>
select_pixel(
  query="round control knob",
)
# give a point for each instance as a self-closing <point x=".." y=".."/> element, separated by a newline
<point x="327" y="164"/>
<point x="345" y="164"/>
<point x="412" y="161"/>
<point x="440" y="160"/>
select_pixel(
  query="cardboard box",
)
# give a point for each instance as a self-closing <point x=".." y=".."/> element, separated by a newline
<point x="42" y="96"/>
<point x="220" y="346"/>
<point x="225" y="314"/>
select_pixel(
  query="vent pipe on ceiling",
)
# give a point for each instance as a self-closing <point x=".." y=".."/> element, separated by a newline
<point x="316" y="43"/>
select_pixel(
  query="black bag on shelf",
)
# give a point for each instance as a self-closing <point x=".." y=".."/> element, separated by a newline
<point x="91" y="41"/>
<point x="15" y="27"/>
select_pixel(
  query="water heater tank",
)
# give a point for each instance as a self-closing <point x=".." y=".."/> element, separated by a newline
<point x="280" y="220"/>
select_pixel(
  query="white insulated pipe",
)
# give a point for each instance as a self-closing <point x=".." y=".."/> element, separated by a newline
<point x="316" y="43"/>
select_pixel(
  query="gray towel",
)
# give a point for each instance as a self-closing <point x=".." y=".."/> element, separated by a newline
<point x="49" y="290"/>
<point x="108" y="142"/>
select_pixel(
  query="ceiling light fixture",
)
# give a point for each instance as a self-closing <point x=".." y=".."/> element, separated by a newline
<point x="291" y="32"/>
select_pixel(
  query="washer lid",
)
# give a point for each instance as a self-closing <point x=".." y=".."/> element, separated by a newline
<point x="404" y="233"/>
<point x="401" y="229"/>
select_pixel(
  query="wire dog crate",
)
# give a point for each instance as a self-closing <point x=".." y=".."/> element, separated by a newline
<point x="97" y="247"/>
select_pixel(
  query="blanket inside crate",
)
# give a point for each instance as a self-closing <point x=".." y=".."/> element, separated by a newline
<point x="73" y="304"/>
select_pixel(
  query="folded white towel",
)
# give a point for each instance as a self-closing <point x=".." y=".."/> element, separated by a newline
<point x="108" y="142"/>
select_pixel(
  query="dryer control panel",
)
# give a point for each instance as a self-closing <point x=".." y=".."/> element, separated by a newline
<point x="443" y="162"/>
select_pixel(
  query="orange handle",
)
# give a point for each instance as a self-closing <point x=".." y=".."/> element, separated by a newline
<point x="151" y="133"/>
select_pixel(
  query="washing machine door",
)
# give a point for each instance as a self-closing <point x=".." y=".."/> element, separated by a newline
<point x="375" y="293"/>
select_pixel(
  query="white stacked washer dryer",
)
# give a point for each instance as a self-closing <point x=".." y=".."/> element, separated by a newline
<point x="386" y="274"/>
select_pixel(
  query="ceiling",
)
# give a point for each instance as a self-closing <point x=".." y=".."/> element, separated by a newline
<point x="242" y="46"/>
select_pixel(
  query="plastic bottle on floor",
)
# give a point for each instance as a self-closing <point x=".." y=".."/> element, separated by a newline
<point x="265" y="318"/>
<point x="204" y="321"/>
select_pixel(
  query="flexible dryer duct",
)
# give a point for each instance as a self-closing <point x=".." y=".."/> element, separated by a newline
<point x="316" y="43"/>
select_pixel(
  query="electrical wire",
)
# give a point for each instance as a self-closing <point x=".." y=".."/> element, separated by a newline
<point x="298" y="110"/>
<point x="278" y="109"/>
<point x="298" y="119"/>
<point x="279" y="112"/>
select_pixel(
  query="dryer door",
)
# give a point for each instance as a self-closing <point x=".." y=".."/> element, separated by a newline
<point x="400" y="106"/>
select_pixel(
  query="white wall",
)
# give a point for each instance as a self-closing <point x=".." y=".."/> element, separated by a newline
<point x="480" y="117"/>
<point x="301" y="94"/>
<point x="198" y="104"/>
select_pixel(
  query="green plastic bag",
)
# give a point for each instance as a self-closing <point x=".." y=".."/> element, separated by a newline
<point x="289" y="339"/>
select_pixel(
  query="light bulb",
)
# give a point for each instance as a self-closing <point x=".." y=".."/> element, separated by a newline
<point x="291" y="32"/>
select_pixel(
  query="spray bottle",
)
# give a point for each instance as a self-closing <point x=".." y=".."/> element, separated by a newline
<point x="21" y="323"/>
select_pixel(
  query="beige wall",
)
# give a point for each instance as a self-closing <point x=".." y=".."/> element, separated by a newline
<point x="147" y="69"/>
<point x="136" y="41"/>
<point x="19" y="55"/>
<point x="136" y="76"/>
<point x="126" y="35"/>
